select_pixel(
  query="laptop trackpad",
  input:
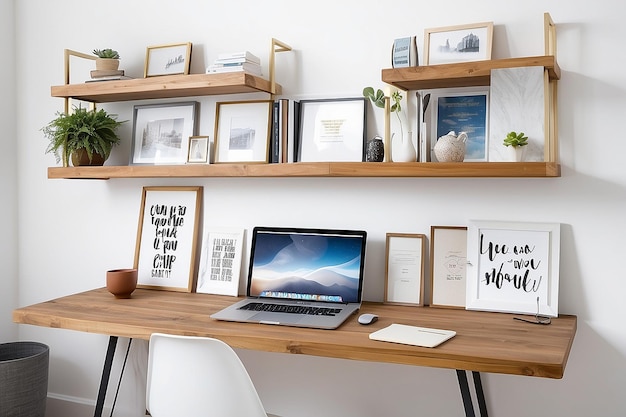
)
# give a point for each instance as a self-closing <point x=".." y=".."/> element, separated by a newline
<point x="276" y="318"/>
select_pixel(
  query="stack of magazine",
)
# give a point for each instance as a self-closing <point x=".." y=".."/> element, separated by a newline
<point x="236" y="61"/>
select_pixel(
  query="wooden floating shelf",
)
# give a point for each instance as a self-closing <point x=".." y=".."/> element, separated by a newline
<point x="169" y="86"/>
<point x="465" y="74"/>
<point x="317" y="169"/>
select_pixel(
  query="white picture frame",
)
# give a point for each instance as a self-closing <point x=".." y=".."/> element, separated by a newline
<point x="404" y="271"/>
<point x="448" y="266"/>
<point x="513" y="267"/>
<point x="443" y="45"/>
<point x="219" y="270"/>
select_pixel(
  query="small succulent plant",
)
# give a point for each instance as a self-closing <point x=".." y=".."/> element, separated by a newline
<point x="106" y="53"/>
<point x="515" y="139"/>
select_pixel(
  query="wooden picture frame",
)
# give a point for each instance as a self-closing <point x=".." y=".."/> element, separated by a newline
<point x="513" y="267"/>
<point x="161" y="133"/>
<point x="169" y="59"/>
<point x="242" y="131"/>
<point x="220" y="261"/>
<point x="167" y="235"/>
<point x="448" y="259"/>
<point x="404" y="268"/>
<point x="198" y="152"/>
<point x="460" y="43"/>
<point x="332" y="130"/>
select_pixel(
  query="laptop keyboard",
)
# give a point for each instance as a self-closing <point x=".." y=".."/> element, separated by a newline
<point x="295" y="309"/>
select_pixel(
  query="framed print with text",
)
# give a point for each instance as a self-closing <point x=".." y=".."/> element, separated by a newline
<point x="332" y="130"/>
<point x="242" y="131"/>
<point x="167" y="235"/>
<point x="220" y="262"/>
<point x="404" y="272"/>
<point x="161" y="133"/>
<point x="513" y="267"/>
<point x="448" y="259"/>
<point x="167" y="59"/>
<point x="461" y="43"/>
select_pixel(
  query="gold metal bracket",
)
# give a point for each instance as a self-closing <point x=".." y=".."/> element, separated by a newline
<point x="551" y="153"/>
<point x="277" y="46"/>
<point x="66" y="62"/>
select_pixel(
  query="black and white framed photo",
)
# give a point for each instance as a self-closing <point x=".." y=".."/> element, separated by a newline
<point x="220" y="261"/>
<point x="198" y="150"/>
<point x="461" y="43"/>
<point x="462" y="110"/>
<point x="448" y="259"/>
<point x="513" y="267"/>
<point x="167" y="59"/>
<point x="332" y="130"/>
<point x="167" y="238"/>
<point x="161" y="133"/>
<point x="404" y="272"/>
<point x="242" y="131"/>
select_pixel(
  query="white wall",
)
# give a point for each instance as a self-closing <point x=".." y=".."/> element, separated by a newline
<point x="71" y="232"/>
<point x="8" y="171"/>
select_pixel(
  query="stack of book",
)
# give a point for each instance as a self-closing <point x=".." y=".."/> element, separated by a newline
<point x="237" y="61"/>
<point x="106" y="75"/>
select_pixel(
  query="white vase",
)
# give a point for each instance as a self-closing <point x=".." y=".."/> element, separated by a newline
<point x="516" y="153"/>
<point x="402" y="149"/>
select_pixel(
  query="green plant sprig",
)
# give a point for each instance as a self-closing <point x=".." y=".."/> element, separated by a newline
<point x="106" y="53"/>
<point x="378" y="98"/>
<point x="515" y="139"/>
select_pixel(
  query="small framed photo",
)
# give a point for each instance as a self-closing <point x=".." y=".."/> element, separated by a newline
<point x="462" y="110"/>
<point x="332" y="130"/>
<point x="220" y="262"/>
<point x="448" y="259"/>
<point x="161" y="133"/>
<point x="242" y="131"/>
<point x="167" y="237"/>
<point x="168" y="59"/>
<point x="404" y="272"/>
<point x="461" y="43"/>
<point x="513" y="267"/>
<point x="198" y="150"/>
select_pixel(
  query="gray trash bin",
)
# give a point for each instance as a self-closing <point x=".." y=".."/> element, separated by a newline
<point x="23" y="379"/>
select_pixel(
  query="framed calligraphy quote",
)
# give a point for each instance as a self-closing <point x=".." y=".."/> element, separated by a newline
<point x="513" y="267"/>
<point x="220" y="262"/>
<point x="167" y="235"/>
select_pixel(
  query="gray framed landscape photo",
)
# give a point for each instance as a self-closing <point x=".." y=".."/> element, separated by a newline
<point x="513" y="267"/>
<point x="167" y="59"/>
<point x="242" y="131"/>
<point x="161" y="132"/>
<point x="461" y="43"/>
<point x="332" y="130"/>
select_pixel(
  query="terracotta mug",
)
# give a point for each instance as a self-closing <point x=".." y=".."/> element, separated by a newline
<point x="122" y="282"/>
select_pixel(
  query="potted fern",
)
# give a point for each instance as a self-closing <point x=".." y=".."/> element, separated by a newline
<point x="84" y="136"/>
<point x="107" y="59"/>
<point x="516" y="142"/>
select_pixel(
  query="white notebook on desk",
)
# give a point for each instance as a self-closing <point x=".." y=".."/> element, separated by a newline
<point x="412" y="335"/>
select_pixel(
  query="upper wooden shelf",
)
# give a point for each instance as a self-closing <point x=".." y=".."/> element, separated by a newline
<point x="465" y="74"/>
<point x="316" y="169"/>
<point x="169" y="86"/>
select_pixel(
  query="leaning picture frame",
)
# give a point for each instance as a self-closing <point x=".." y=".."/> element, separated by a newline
<point x="404" y="271"/>
<point x="332" y="130"/>
<point x="169" y="59"/>
<point x="198" y="152"/>
<point x="167" y="238"/>
<point x="242" y="131"/>
<point x="513" y="267"/>
<point x="460" y="43"/>
<point x="220" y="261"/>
<point x="461" y="110"/>
<point x="161" y="132"/>
<point x="448" y="259"/>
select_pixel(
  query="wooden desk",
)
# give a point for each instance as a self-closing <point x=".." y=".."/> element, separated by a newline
<point x="485" y="341"/>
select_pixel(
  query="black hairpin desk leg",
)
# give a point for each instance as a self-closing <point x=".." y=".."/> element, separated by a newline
<point x="468" y="404"/>
<point x="106" y="373"/>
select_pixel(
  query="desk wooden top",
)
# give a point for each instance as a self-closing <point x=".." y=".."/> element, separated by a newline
<point x="485" y="341"/>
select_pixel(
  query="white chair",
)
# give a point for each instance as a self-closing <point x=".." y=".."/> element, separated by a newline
<point x="198" y="376"/>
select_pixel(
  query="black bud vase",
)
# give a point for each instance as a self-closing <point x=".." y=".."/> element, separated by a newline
<point x="375" y="150"/>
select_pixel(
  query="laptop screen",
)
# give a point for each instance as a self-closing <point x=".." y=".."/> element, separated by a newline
<point x="307" y="264"/>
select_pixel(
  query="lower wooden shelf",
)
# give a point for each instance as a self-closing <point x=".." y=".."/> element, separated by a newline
<point x="317" y="169"/>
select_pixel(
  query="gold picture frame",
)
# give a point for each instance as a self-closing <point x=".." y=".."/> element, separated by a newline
<point x="404" y="269"/>
<point x="460" y="43"/>
<point x="169" y="59"/>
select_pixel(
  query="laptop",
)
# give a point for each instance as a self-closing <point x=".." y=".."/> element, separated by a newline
<point x="302" y="277"/>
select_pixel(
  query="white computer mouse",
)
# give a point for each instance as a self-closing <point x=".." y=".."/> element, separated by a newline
<point x="367" y="318"/>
